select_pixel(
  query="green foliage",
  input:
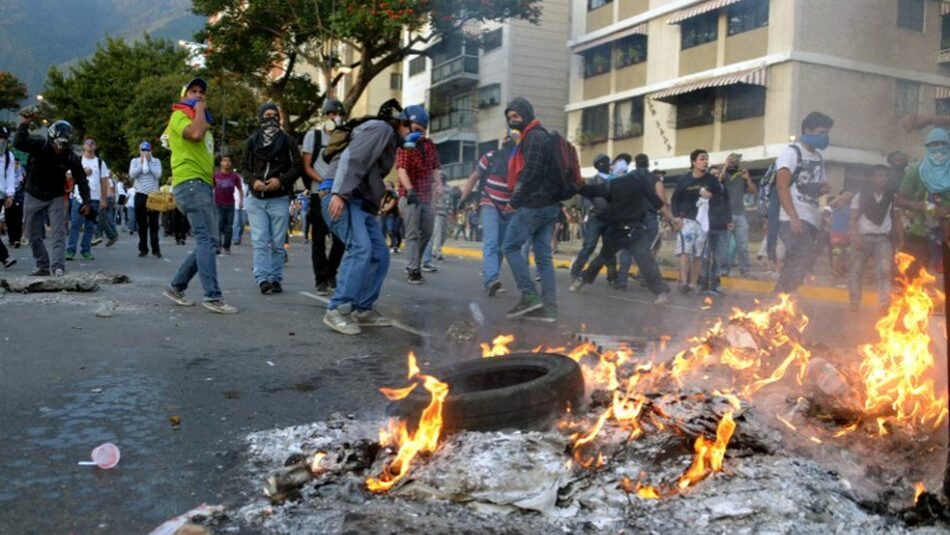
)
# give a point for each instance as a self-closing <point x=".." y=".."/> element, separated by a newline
<point x="12" y="91"/>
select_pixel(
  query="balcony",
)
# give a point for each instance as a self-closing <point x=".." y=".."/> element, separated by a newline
<point x="455" y="119"/>
<point x="943" y="57"/>
<point x="455" y="74"/>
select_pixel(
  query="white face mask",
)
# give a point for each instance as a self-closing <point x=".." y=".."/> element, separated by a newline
<point x="619" y="167"/>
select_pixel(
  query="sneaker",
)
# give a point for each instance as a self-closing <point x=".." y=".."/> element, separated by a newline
<point x="59" y="272"/>
<point x="143" y="254"/>
<point x="662" y="298"/>
<point x="178" y="297"/>
<point x="685" y="289"/>
<point x="9" y="263"/>
<point x="40" y="272"/>
<point x="370" y="318"/>
<point x="537" y="278"/>
<point x="156" y="254"/>
<point x="95" y="241"/>
<point x="227" y="251"/>
<point x="219" y="306"/>
<point x="112" y="241"/>
<point x="714" y="291"/>
<point x="266" y="288"/>
<point x="16" y="245"/>
<point x="323" y="289"/>
<point x="429" y="268"/>
<point x="70" y="255"/>
<point x="542" y="314"/>
<point x="87" y="256"/>
<point x="415" y="277"/>
<point x="577" y="285"/>
<point x="332" y="283"/>
<point x="340" y="323"/>
<point x="276" y="288"/>
<point x="529" y="302"/>
<point x="494" y="287"/>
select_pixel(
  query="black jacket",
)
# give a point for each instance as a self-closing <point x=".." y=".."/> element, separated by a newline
<point x="46" y="171"/>
<point x="533" y="188"/>
<point x="686" y="194"/>
<point x="629" y="199"/>
<point x="720" y="211"/>
<point x="288" y="167"/>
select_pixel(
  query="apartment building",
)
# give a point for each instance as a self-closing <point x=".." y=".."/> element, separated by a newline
<point x="465" y="87"/>
<point x="668" y="76"/>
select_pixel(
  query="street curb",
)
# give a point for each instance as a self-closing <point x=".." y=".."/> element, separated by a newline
<point x="820" y="293"/>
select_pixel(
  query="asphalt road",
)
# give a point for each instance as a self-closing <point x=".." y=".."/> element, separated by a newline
<point x="71" y="380"/>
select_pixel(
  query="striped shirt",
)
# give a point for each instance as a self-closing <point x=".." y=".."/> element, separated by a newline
<point x="494" y="182"/>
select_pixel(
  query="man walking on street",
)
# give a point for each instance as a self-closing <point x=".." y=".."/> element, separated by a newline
<point x="271" y="166"/>
<point x="8" y="183"/>
<point x="594" y="224"/>
<point x="145" y="171"/>
<point x="318" y="180"/>
<point x="417" y="163"/>
<point x="45" y="191"/>
<point x="531" y="173"/>
<point x="225" y="182"/>
<point x="192" y="147"/>
<point x="801" y="181"/>
<point x="97" y="173"/>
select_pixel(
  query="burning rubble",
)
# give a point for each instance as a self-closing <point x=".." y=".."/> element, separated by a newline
<point x="719" y="433"/>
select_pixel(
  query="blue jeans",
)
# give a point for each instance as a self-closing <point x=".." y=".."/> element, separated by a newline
<point x="106" y="220"/>
<point x="194" y="198"/>
<point x="594" y="229"/>
<point x="240" y="219"/>
<point x="740" y="231"/>
<point x="76" y="220"/>
<point x="494" y="224"/>
<point x="534" y="225"/>
<point x="269" y="219"/>
<point x="366" y="261"/>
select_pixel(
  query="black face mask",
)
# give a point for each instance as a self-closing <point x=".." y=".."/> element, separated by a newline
<point x="515" y="125"/>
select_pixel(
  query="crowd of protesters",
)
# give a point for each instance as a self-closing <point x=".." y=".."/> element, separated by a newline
<point x="354" y="218"/>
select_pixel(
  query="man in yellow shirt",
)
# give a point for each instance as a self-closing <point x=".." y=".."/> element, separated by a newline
<point x="192" y="147"/>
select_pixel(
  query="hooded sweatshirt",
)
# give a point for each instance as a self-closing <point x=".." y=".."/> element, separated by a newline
<point x="46" y="177"/>
<point x="531" y="161"/>
<point x="367" y="159"/>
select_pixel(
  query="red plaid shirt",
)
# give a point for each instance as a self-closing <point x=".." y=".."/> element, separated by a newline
<point x="419" y="164"/>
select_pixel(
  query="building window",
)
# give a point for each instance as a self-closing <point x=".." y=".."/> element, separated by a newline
<point x="908" y="95"/>
<point x="595" y="4"/>
<point x="943" y="107"/>
<point x="594" y="124"/>
<point x="944" y="32"/>
<point x="910" y="15"/>
<point x="395" y="81"/>
<point x="597" y="61"/>
<point x="628" y="118"/>
<point x="743" y="101"/>
<point x="630" y="50"/>
<point x="700" y="29"/>
<point x="487" y="146"/>
<point x="417" y="65"/>
<point x="491" y="40"/>
<point x="696" y="108"/>
<point x="748" y="15"/>
<point x="489" y="95"/>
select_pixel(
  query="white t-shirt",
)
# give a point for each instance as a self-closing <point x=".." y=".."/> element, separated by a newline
<point x="94" y="184"/>
<point x="324" y="169"/>
<point x="865" y="225"/>
<point x="130" y="193"/>
<point x="807" y="187"/>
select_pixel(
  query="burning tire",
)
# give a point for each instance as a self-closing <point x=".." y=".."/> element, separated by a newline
<point x="523" y="391"/>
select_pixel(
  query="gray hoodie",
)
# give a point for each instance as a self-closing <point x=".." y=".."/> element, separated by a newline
<point x="367" y="159"/>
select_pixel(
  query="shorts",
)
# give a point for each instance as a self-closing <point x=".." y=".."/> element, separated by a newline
<point x="690" y="239"/>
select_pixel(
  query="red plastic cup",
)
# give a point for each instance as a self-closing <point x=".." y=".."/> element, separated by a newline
<point x="105" y="456"/>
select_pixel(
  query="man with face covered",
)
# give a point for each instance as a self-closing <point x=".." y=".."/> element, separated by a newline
<point x="271" y="166"/>
<point x="925" y="193"/>
<point x="417" y="163"/>
<point x="594" y="223"/>
<point x="45" y="188"/>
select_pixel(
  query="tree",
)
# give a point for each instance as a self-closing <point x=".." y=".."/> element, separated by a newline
<point x="12" y="91"/>
<point x="95" y="95"/>
<point x="266" y="40"/>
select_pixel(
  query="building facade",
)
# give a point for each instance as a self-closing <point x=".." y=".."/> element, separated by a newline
<point x="465" y="87"/>
<point x="665" y="77"/>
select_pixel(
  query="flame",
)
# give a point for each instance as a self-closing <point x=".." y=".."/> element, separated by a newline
<point x="315" y="467"/>
<point x="425" y="439"/>
<point x="395" y="394"/>
<point x="499" y="346"/>
<point x="709" y="454"/>
<point x="895" y="369"/>
<point x="919" y="489"/>
<point x="647" y="492"/>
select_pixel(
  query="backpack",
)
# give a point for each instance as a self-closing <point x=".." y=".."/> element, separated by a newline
<point x="768" y="182"/>
<point x="340" y="137"/>
<point x="567" y="169"/>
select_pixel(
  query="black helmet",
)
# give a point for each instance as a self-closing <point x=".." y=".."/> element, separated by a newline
<point x="61" y="134"/>
<point x="390" y="110"/>
<point x="332" y="105"/>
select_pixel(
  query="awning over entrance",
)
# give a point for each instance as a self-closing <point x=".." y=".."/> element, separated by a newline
<point x="694" y="11"/>
<point x="752" y="77"/>
<point x="640" y="29"/>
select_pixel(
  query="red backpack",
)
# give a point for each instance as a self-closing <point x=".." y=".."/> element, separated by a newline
<point x="566" y="170"/>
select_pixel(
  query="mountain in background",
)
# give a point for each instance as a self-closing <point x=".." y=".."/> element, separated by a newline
<point x="38" y="34"/>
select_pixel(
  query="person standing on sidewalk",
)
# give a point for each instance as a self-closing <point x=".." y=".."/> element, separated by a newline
<point x="531" y="176"/>
<point x="97" y="173"/>
<point x="873" y="217"/>
<point x="738" y="183"/>
<point x="352" y="209"/>
<point x="318" y="179"/>
<point x="801" y="180"/>
<point x="691" y="188"/>
<point x="225" y="182"/>
<point x="417" y="163"/>
<point x="45" y="191"/>
<point x="192" y="146"/>
<point x="146" y="172"/>
<point x="271" y="166"/>
<point x="106" y="221"/>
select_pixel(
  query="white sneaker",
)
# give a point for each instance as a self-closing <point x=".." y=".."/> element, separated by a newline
<point x="370" y="318"/>
<point x="59" y="272"/>
<point x="340" y="323"/>
<point x="219" y="306"/>
<point x="178" y="297"/>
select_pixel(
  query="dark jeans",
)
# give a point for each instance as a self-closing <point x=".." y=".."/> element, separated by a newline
<point x="636" y="241"/>
<point x="14" y="219"/>
<point x="180" y="226"/>
<point x="715" y="259"/>
<point x="106" y="221"/>
<point x="801" y="250"/>
<point x="225" y="225"/>
<point x="324" y="268"/>
<point x="594" y="229"/>
<point x="147" y="223"/>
